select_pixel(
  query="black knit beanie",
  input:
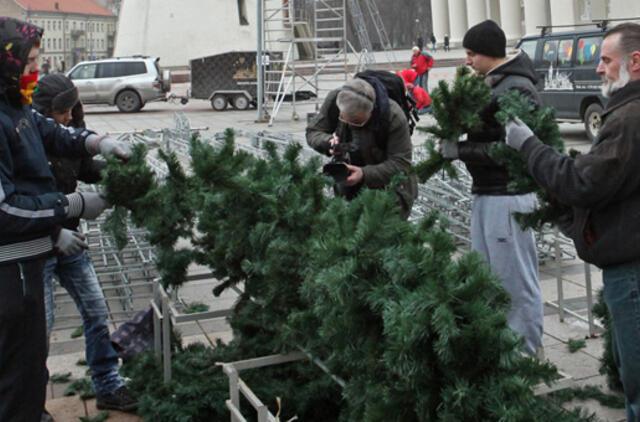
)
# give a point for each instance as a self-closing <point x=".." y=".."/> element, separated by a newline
<point x="55" y="93"/>
<point x="486" y="38"/>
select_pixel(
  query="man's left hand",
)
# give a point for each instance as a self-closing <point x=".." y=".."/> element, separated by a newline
<point x="355" y="175"/>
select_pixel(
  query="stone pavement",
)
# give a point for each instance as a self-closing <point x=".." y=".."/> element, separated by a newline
<point x="582" y="366"/>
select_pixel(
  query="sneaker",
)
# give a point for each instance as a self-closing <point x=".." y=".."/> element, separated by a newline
<point x="46" y="417"/>
<point x="120" y="399"/>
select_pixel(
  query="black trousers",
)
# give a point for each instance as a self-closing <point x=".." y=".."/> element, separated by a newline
<point x="22" y="342"/>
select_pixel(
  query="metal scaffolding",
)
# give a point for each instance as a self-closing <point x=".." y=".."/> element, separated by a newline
<point x="314" y="50"/>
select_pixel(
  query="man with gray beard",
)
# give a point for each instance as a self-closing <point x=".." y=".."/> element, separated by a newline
<point x="603" y="189"/>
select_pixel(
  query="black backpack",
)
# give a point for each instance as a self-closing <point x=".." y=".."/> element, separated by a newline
<point x="396" y="91"/>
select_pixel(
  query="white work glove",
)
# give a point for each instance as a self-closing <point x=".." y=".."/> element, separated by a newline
<point x="87" y="205"/>
<point x="517" y="133"/>
<point x="70" y="242"/>
<point x="448" y="149"/>
<point x="107" y="146"/>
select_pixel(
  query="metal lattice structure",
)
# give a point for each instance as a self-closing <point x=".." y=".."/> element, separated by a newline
<point x="362" y="33"/>
<point x="314" y="50"/>
<point x="382" y="32"/>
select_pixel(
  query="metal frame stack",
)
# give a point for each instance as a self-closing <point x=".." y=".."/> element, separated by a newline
<point x="323" y="38"/>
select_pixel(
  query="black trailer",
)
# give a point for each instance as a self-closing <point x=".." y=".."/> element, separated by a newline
<point x="226" y="78"/>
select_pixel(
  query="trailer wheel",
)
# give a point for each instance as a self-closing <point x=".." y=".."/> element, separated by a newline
<point x="219" y="102"/>
<point x="240" y="102"/>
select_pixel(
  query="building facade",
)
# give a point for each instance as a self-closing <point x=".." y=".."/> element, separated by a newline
<point x="74" y="30"/>
<point x="522" y="17"/>
<point x="178" y="31"/>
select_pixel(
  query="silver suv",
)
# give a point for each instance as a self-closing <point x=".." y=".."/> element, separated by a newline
<point x="127" y="82"/>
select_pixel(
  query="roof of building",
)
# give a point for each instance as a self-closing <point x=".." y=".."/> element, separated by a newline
<point x="81" y="7"/>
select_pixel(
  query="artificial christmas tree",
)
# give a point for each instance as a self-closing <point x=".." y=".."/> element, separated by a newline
<point x="417" y="332"/>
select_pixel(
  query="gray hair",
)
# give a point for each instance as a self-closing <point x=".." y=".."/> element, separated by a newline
<point x="356" y="96"/>
<point x="415" y="48"/>
<point x="629" y="37"/>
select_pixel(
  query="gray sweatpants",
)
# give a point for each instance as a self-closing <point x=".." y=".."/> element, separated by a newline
<point x="511" y="253"/>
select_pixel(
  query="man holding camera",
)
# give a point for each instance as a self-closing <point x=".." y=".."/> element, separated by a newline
<point x="360" y="125"/>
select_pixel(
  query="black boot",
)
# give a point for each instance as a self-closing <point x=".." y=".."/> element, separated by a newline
<point x="120" y="399"/>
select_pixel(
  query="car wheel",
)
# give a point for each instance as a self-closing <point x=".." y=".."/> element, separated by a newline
<point x="219" y="102"/>
<point x="128" y="101"/>
<point x="593" y="120"/>
<point x="240" y="102"/>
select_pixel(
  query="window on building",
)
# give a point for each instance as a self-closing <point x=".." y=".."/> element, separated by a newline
<point x="68" y="43"/>
<point x="82" y="25"/>
<point x="48" y="25"/>
<point x="66" y="25"/>
<point x="54" y="43"/>
<point x="60" y="43"/>
<point x="73" y="25"/>
<point x="48" y="43"/>
<point x="588" y="53"/>
<point x="242" y="12"/>
<point x="59" y="25"/>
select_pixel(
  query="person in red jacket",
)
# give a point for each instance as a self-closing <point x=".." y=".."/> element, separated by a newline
<point x="420" y="96"/>
<point x="408" y="75"/>
<point x="421" y="62"/>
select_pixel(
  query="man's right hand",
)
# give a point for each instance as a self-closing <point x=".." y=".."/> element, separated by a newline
<point x="70" y="242"/>
<point x="87" y="205"/>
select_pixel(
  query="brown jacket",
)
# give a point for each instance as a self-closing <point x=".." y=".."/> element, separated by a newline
<point x="380" y="160"/>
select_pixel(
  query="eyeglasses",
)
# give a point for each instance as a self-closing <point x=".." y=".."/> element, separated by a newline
<point x="354" y="124"/>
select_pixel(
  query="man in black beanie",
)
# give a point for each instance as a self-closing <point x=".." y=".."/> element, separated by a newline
<point x="57" y="98"/>
<point x="510" y="251"/>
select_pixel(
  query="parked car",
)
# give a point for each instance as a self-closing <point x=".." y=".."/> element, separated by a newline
<point x="126" y="82"/>
<point x="566" y="65"/>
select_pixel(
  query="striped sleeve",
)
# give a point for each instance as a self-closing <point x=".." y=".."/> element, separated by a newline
<point x="27" y="214"/>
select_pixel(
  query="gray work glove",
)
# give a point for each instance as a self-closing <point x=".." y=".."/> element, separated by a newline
<point x="70" y="242"/>
<point x="517" y="133"/>
<point x="87" y="205"/>
<point x="107" y="146"/>
<point x="448" y="149"/>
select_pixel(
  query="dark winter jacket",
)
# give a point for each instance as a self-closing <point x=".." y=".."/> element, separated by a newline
<point x="57" y="93"/>
<point x="31" y="208"/>
<point x="380" y="159"/>
<point x="603" y="186"/>
<point x="489" y="178"/>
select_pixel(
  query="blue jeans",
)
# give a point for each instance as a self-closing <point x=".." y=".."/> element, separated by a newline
<point x="622" y="295"/>
<point x="77" y="275"/>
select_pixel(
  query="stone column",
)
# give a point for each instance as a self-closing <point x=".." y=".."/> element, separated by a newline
<point x="440" y="19"/>
<point x="535" y="14"/>
<point x="511" y="19"/>
<point x="457" y="21"/>
<point x="476" y="11"/>
<point x="563" y="12"/>
<point x="623" y="9"/>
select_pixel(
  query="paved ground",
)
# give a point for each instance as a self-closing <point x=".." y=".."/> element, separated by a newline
<point x="582" y="366"/>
